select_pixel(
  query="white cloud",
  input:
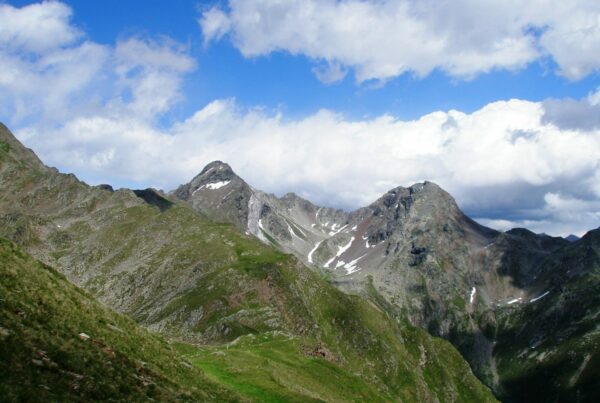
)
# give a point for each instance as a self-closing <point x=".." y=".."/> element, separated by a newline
<point x="583" y="114"/>
<point x="152" y="72"/>
<point x="594" y="97"/>
<point x="36" y="27"/>
<point x="501" y="157"/>
<point x="50" y="71"/>
<point x="215" y="23"/>
<point x="384" y="39"/>
<point x="91" y="109"/>
<point x="558" y="214"/>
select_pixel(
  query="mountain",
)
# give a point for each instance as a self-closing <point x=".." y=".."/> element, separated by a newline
<point x="290" y="223"/>
<point x="59" y="344"/>
<point x="198" y="281"/>
<point x="416" y="255"/>
<point x="572" y="238"/>
<point x="548" y="347"/>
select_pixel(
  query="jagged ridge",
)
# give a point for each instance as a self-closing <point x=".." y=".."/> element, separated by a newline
<point x="187" y="277"/>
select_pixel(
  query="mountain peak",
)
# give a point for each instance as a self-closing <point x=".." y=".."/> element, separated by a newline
<point x="216" y="165"/>
<point x="572" y="238"/>
<point x="218" y="193"/>
<point x="216" y="171"/>
<point x="11" y="145"/>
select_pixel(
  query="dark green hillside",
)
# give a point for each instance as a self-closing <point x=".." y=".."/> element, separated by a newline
<point x="549" y="350"/>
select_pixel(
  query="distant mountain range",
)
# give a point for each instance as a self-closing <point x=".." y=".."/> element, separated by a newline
<point x="419" y="257"/>
<point x="208" y="263"/>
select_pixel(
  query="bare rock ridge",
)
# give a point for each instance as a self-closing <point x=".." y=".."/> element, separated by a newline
<point x="417" y="255"/>
<point x="174" y="271"/>
<point x="218" y="193"/>
<point x="523" y="308"/>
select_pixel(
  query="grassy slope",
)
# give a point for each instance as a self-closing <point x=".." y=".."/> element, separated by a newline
<point x="42" y="357"/>
<point x="273" y="368"/>
<point x="203" y="282"/>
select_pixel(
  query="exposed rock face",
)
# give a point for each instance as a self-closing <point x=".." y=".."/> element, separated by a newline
<point x="291" y="223"/>
<point x="173" y="270"/>
<point x="551" y="338"/>
<point x="218" y="193"/>
<point x="518" y="305"/>
<point x="418" y="256"/>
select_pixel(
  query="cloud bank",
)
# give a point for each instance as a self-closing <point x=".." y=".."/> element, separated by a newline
<point x="510" y="163"/>
<point x="383" y="39"/>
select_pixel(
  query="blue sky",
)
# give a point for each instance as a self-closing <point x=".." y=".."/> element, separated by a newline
<point x="286" y="82"/>
<point x="338" y="100"/>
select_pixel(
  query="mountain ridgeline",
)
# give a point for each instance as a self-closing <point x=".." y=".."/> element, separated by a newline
<point x="275" y="299"/>
<point x="520" y="307"/>
<point x="251" y="322"/>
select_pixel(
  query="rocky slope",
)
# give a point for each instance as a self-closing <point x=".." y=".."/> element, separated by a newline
<point x="196" y="280"/>
<point x="58" y="344"/>
<point x="548" y="346"/>
<point x="291" y="223"/>
<point x="419" y="257"/>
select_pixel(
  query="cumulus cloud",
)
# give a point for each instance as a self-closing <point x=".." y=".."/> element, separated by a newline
<point x="548" y="180"/>
<point x="558" y="214"/>
<point x="574" y="114"/>
<point x="36" y="27"/>
<point x="384" y="39"/>
<point x="50" y="71"/>
<point x="507" y="164"/>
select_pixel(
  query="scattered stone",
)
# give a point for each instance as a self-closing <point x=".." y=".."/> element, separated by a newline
<point x="320" y="351"/>
<point x="83" y="336"/>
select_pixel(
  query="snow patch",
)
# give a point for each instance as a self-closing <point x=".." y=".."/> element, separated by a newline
<point x="340" y="252"/>
<point x="313" y="251"/>
<point x="197" y="190"/>
<point x="512" y="301"/>
<point x="351" y="266"/>
<point x="473" y="291"/>
<point x="354" y="228"/>
<point x="331" y="233"/>
<point x="343" y="249"/>
<point x="217" y="185"/>
<point x="300" y="229"/>
<point x="351" y="269"/>
<point x="326" y="265"/>
<point x="488" y="245"/>
<point x="291" y="230"/>
<point x="540" y="297"/>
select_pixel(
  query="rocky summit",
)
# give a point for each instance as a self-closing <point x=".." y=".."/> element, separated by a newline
<point x="267" y="298"/>
<point x="417" y="256"/>
<point x="86" y="268"/>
